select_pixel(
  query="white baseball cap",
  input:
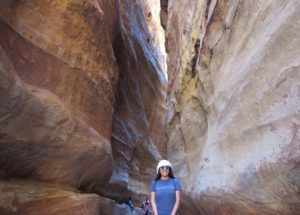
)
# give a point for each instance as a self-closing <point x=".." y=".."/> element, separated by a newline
<point x="163" y="163"/>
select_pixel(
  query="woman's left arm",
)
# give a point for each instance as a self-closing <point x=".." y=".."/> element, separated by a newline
<point x="177" y="202"/>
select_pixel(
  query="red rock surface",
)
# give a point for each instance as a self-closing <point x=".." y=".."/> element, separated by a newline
<point x="57" y="94"/>
<point x="83" y="87"/>
<point x="29" y="198"/>
<point x="87" y="104"/>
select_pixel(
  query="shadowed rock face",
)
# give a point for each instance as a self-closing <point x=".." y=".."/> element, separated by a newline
<point x="164" y="13"/>
<point x="234" y="105"/>
<point x="140" y="110"/>
<point x="83" y="91"/>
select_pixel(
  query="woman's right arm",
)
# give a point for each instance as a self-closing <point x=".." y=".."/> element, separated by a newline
<point x="153" y="204"/>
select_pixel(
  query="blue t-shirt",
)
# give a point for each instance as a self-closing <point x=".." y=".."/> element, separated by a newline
<point x="165" y="196"/>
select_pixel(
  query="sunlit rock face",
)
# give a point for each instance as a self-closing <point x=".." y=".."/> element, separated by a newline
<point x="234" y="102"/>
<point x="83" y="93"/>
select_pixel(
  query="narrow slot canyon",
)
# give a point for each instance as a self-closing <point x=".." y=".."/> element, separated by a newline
<point x="95" y="93"/>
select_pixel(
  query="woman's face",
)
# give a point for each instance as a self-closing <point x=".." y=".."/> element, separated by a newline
<point x="164" y="171"/>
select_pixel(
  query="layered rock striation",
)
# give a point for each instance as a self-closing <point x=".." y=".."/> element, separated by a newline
<point x="57" y="93"/>
<point x="233" y="100"/>
<point x="140" y="110"/>
<point x="83" y="91"/>
<point x="88" y="105"/>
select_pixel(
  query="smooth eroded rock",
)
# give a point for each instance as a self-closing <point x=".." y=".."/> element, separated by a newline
<point x="234" y="105"/>
<point x="27" y="198"/>
<point x="58" y="81"/>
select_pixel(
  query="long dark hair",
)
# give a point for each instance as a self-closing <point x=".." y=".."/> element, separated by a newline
<point x="158" y="176"/>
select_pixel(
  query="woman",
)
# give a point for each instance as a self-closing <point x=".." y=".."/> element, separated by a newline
<point x="165" y="190"/>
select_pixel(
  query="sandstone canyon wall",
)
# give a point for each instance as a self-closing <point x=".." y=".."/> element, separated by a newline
<point x="88" y="105"/>
<point x="140" y="109"/>
<point x="83" y="91"/>
<point x="234" y="102"/>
